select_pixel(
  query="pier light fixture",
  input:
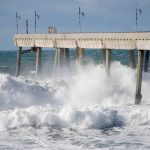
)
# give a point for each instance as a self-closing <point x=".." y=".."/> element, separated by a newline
<point x="17" y="22"/>
<point x="36" y="17"/>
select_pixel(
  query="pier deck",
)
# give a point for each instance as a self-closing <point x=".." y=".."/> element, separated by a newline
<point x="116" y="40"/>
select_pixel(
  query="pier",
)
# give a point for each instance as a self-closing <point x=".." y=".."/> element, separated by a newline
<point x="82" y="41"/>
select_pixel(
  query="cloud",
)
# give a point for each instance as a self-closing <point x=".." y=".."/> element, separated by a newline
<point x="89" y="3"/>
<point x="100" y="15"/>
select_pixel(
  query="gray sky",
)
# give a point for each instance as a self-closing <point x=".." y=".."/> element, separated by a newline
<point x="100" y="16"/>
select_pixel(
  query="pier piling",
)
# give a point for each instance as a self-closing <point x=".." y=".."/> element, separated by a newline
<point x="80" y="55"/>
<point x="146" y="62"/>
<point x="67" y="54"/>
<point x="18" y="61"/>
<point x="104" y="56"/>
<point x="108" y="61"/>
<point x="131" y="59"/>
<point x="57" y="61"/>
<point x="62" y="59"/>
<point x="138" y="95"/>
<point x="38" y="62"/>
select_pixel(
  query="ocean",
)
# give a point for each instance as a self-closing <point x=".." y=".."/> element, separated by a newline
<point x="83" y="109"/>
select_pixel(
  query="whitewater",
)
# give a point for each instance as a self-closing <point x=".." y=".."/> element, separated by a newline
<point x="82" y="109"/>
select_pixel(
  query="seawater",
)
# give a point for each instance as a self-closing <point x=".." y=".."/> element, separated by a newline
<point x="83" y="109"/>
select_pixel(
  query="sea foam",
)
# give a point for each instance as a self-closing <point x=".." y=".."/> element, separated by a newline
<point x="86" y="99"/>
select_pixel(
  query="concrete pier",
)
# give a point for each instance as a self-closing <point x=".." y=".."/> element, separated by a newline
<point x="107" y="41"/>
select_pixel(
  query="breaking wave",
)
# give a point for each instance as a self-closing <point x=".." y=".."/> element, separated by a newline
<point x="87" y="99"/>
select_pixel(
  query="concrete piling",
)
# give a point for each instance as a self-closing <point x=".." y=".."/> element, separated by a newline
<point x="38" y="62"/>
<point x="80" y="55"/>
<point x="108" y="61"/>
<point x="104" y="56"/>
<point x="18" y="61"/>
<point x="138" y="95"/>
<point x="62" y="59"/>
<point x="131" y="59"/>
<point x="146" y="62"/>
<point x="67" y="55"/>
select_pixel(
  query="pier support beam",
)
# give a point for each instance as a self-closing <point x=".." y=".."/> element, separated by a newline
<point x="131" y="59"/>
<point x="62" y="59"/>
<point x="18" y="61"/>
<point x="38" y="62"/>
<point x="138" y="95"/>
<point x="104" y="56"/>
<point x="108" y="61"/>
<point x="57" y="61"/>
<point x="67" y="54"/>
<point x="80" y="55"/>
<point x="146" y="62"/>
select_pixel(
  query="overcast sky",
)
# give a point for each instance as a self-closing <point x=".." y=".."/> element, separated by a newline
<point x="100" y="16"/>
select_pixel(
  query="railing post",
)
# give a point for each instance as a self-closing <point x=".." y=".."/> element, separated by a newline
<point x="146" y="62"/>
<point x="138" y="95"/>
<point x="131" y="59"/>
<point x="18" y="61"/>
<point x="38" y="62"/>
<point x="108" y="61"/>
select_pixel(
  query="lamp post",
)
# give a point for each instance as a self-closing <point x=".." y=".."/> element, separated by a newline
<point x="138" y="11"/>
<point x="17" y="20"/>
<point x="36" y="17"/>
<point x="27" y="25"/>
<point x="80" y="14"/>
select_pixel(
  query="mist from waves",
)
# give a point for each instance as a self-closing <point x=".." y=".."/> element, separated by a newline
<point x="87" y="99"/>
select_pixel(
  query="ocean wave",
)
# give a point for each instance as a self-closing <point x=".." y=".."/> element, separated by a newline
<point x="40" y="116"/>
<point x="71" y="117"/>
<point x="20" y="92"/>
<point x="86" y="99"/>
